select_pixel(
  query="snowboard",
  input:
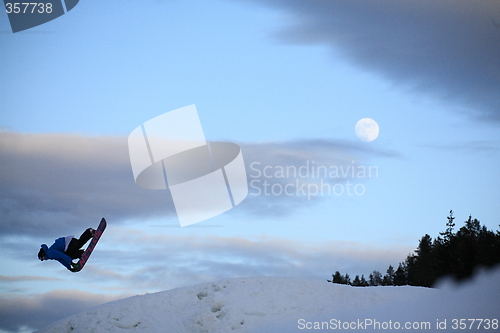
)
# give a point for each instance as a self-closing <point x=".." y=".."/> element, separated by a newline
<point x="85" y="256"/>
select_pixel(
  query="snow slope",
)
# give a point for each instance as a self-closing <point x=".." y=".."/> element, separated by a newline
<point x="292" y="305"/>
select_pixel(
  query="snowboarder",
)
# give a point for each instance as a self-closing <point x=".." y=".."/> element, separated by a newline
<point x="66" y="249"/>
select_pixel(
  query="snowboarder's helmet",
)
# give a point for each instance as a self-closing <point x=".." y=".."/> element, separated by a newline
<point x="41" y="254"/>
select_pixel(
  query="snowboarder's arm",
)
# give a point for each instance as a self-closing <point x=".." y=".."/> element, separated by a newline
<point x="62" y="257"/>
<point x="65" y="263"/>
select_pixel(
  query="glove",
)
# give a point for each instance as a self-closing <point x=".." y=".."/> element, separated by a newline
<point x="74" y="267"/>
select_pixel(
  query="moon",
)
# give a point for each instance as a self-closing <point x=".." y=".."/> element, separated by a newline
<point x="367" y="129"/>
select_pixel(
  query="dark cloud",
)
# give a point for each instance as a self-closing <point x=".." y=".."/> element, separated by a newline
<point x="468" y="147"/>
<point x="57" y="184"/>
<point x="52" y="183"/>
<point x="448" y="48"/>
<point x="285" y="176"/>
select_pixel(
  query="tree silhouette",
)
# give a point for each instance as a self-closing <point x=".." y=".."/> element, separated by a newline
<point x="456" y="254"/>
<point x="389" y="277"/>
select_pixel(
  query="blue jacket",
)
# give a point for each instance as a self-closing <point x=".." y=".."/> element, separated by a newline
<point x="56" y="252"/>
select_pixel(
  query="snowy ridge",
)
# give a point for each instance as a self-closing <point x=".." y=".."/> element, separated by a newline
<point x="278" y="305"/>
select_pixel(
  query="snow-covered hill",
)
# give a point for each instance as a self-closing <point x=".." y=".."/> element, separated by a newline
<point x="292" y="305"/>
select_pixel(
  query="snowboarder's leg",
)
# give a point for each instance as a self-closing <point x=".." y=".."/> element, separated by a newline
<point x="76" y="244"/>
<point x="84" y="238"/>
<point x="73" y="249"/>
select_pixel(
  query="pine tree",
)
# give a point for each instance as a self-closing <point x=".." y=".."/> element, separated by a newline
<point x="356" y="282"/>
<point x="389" y="276"/>
<point x="400" y="277"/>
<point x="456" y="254"/>
<point x="363" y="282"/>
<point x="336" y="278"/>
<point x="411" y="270"/>
<point x="467" y="247"/>
<point x="448" y="234"/>
<point x="346" y="279"/>
<point x="425" y="274"/>
<point x="375" y="278"/>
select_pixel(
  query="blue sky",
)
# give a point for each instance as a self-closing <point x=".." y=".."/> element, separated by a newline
<point x="287" y="81"/>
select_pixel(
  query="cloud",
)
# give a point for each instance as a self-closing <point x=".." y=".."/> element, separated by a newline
<point x="24" y="278"/>
<point x="161" y="261"/>
<point x="468" y="147"/>
<point x="51" y="183"/>
<point x="285" y="176"/>
<point x="447" y="48"/>
<point x="139" y="262"/>
<point x="33" y="312"/>
<point x="54" y="184"/>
